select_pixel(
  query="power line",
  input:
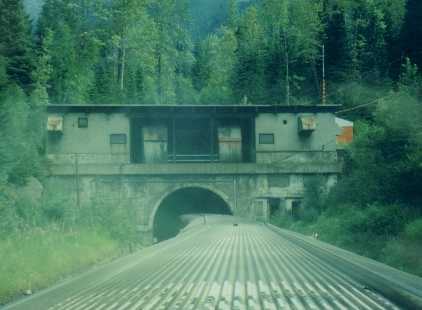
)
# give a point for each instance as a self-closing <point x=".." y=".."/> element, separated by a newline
<point x="364" y="105"/>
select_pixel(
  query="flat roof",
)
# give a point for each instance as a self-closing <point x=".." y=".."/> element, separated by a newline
<point x="154" y="108"/>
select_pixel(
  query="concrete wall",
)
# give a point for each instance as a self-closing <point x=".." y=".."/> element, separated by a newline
<point x="92" y="144"/>
<point x="146" y="193"/>
<point x="290" y="145"/>
<point x="103" y="171"/>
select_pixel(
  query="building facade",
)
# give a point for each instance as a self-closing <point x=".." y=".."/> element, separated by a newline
<point x="258" y="159"/>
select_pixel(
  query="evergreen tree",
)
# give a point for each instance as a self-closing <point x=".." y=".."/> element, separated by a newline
<point x="249" y="72"/>
<point x="74" y="48"/>
<point x="218" y="61"/>
<point x="16" y="43"/>
<point x="336" y="47"/>
<point x="411" y="35"/>
<point x="174" y="57"/>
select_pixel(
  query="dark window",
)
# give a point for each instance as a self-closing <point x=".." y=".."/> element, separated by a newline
<point x="274" y="204"/>
<point x="266" y="138"/>
<point x="118" y="139"/>
<point x="83" y="122"/>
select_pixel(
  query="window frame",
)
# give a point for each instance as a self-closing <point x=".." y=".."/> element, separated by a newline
<point x="81" y="121"/>
<point x="121" y="136"/>
<point x="263" y="136"/>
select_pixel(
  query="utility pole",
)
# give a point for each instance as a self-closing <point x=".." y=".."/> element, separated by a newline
<point x="78" y="199"/>
<point x="286" y="50"/>
<point x="324" y="86"/>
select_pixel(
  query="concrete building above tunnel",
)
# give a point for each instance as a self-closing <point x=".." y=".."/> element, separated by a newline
<point x="257" y="159"/>
<point x="140" y="134"/>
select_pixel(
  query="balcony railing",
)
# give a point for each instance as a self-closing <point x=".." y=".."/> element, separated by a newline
<point x="200" y="158"/>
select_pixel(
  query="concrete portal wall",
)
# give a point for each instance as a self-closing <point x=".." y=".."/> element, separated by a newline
<point x="146" y="193"/>
<point x="88" y="167"/>
<point x="289" y="145"/>
<point x="92" y="144"/>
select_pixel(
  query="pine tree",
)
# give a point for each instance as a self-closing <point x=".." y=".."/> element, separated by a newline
<point x="16" y="43"/>
<point x="336" y="45"/>
<point x="174" y="57"/>
<point x="411" y="35"/>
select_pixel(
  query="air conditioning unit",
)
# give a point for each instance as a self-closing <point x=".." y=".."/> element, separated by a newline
<point x="55" y="123"/>
<point x="307" y="124"/>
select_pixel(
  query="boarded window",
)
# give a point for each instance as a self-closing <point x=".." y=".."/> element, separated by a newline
<point x="118" y="139"/>
<point x="266" y="138"/>
<point x="83" y="122"/>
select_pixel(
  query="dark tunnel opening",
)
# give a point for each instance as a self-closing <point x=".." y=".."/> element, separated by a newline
<point x="168" y="222"/>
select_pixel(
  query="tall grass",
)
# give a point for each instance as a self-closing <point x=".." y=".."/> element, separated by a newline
<point x="382" y="233"/>
<point x="40" y="257"/>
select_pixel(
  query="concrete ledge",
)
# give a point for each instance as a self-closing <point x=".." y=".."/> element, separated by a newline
<point x="400" y="287"/>
<point x="193" y="169"/>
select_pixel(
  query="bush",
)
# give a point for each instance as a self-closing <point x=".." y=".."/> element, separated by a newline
<point x="413" y="231"/>
<point x="119" y="218"/>
<point x="405" y="252"/>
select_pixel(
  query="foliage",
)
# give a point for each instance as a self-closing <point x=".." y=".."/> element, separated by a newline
<point x="42" y="256"/>
<point x="43" y="242"/>
<point x="382" y="232"/>
<point x="260" y="52"/>
<point x="374" y="209"/>
<point x="18" y="148"/>
<point x="266" y="51"/>
<point x="16" y="43"/>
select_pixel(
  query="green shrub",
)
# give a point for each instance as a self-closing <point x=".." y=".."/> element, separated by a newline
<point x="119" y="218"/>
<point x="377" y="220"/>
<point x="404" y="254"/>
<point x="413" y="231"/>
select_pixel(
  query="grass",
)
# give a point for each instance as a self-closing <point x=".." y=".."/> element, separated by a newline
<point x="358" y="231"/>
<point x="39" y="257"/>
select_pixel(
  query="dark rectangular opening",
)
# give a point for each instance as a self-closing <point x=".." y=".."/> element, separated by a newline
<point x="296" y="209"/>
<point x="192" y="138"/>
<point x="274" y="205"/>
<point x="83" y="122"/>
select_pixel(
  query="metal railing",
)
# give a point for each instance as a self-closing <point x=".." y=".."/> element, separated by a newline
<point x="200" y="158"/>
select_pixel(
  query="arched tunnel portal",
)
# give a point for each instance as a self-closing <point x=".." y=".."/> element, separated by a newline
<point x="191" y="200"/>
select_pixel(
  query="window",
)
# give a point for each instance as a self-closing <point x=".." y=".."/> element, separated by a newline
<point x="83" y="122"/>
<point x="266" y="138"/>
<point x="118" y="138"/>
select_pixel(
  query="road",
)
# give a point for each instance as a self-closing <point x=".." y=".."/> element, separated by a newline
<point x="226" y="263"/>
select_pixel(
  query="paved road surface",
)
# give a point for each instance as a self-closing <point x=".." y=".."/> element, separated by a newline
<point x="214" y="266"/>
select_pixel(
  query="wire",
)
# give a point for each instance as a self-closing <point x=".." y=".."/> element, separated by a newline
<point x="364" y="105"/>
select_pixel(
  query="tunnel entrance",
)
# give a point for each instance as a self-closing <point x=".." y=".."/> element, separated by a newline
<point x="167" y="220"/>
